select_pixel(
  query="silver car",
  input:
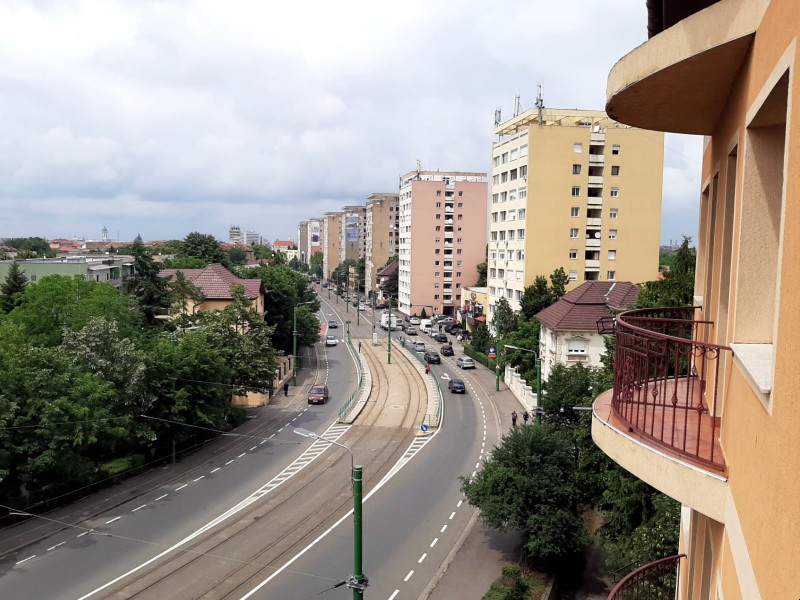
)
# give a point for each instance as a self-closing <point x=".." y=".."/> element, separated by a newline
<point x="465" y="362"/>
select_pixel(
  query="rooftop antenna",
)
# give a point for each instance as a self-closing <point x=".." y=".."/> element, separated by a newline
<point x="539" y="101"/>
<point x="516" y="105"/>
<point x="497" y="118"/>
<point x="419" y="165"/>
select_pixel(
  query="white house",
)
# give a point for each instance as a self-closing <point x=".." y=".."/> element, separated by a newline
<point x="569" y="327"/>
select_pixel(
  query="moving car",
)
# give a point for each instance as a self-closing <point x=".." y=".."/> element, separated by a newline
<point x="330" y="340"/>
<point x="333" y="324"/>
<point x="441" y="338"/>
<point x="465" y="362"/>
<point x="318" y="394"/>
<point x="446" y="350"/>
<point x="456" y="386"/>
<point x="414" y="320"/>
<point x="418" y="345"/>
<point x="411" y="330"/>
<point x="432" y="357"/>
<point x="362" y="306"/>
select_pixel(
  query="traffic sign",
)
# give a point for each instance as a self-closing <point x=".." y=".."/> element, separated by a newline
<point x="424" y="428"/>
<point x="491" y="352"/>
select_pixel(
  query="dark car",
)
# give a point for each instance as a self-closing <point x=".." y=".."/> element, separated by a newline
<point x="333" y="324"/>
<point x="441" y="338"/>
<point x="432" y="357"/>
<point x="318" y="394"/>
<point x="381" y="306"/>
<point x="456" y="386"/>
<point x="446" y="350"/>
<point x="453" y="328"/>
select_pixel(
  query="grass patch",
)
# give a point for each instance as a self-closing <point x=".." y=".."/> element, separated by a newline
<point x="516" y="584"/>
<point x="122" y="464"/>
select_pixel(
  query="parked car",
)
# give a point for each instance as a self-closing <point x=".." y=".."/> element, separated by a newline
<point x="381" y="306"/>
<point x="418" y="345"/>
<point x="414" y="320"/>
<point x="333" y="324"/>
<point x="456" y="386"/>
<point x="318" y="394"/>
<point x="453" y="328"/>
<point x="446" y="350"/>
<point x="362" y="306"/>
<point x="465" y="362"/>
<point x="330" y="340"/>
<point x="440" y="337"/>
<point x="432" y="357"/>
<point x="411" y="330"/>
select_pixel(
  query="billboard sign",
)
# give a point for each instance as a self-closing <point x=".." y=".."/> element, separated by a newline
<point x="313" y="233"/>
<point x="351" y="227"/>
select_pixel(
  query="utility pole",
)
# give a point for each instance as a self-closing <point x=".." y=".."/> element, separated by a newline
<point x="389" y="330"/>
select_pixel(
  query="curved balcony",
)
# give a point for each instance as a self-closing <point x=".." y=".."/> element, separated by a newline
<point x="661" y="420"/>
<point x="658" y="579"/>
<point x="679" y="80"/>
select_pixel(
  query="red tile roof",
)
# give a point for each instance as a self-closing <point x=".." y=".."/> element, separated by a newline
<point x="286" y="243"/>
<point x="580" y="309"/>
<point x="388" y="269"/>
<point x="215" y="281"/>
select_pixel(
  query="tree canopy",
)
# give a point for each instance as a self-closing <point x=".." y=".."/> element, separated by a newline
<point x="12" y="288"/>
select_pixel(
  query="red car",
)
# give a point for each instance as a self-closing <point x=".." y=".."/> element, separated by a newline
<point x="318" y="394"/>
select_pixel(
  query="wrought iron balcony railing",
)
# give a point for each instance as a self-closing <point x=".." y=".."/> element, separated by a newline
<point x="666" y="381"/>
<point x="654" y="581"/>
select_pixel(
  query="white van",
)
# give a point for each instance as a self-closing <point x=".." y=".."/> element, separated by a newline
<point x="425" y="325"/>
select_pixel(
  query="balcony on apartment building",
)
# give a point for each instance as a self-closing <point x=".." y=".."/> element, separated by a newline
<point x="680" y="79"/>
<point x="658" y="579"/>
<point x="662" y="419"/>
<point x="596" y="160"/>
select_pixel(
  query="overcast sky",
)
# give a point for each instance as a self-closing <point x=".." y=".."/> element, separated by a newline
<point x="167" y="117"/>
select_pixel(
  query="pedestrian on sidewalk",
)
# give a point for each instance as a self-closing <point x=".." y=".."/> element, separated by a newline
<point x="514" y="418"/>
<point x="427" y="368"/>
<point x="359" y="347"/>
<point x="525" y="417"/>
<point x="286" y="389"/>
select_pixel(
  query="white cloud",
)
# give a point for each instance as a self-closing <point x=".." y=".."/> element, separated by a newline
<point x="165" y="117"/>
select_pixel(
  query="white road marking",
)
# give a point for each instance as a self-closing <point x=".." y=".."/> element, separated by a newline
<point x="112" y="520"/>
<point x="460" y="502"/>
<point x="279" y="430"/>
<point x="253" y="448"/>
<point x="421" y="558"/>
<point x="82" y="534"/>
<point x="272" y="436"/>
<point x="433" y="543"/>
<point x="229" y="462"/>
<point x="393" y="596"/>
<point x="215" y="470"/>
<point x="56" y="546"/>
<point x="199" y="478"/>
<point x="262" y="442"/>
<point x="183" y="486"/>
<point x="442" y="529"/>
<point x="161" y="497"/>
<point x="241" y="455"/>
<point x="30" y="557"/>
<point x="452" y="514"/>
<point x="139" y="507"/>
<point x="407" y="577"/>
<point x="473" y="474"/>
<point x="477" y="465"/>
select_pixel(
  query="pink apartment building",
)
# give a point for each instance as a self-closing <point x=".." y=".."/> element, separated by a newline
<point x="442" y="238"/>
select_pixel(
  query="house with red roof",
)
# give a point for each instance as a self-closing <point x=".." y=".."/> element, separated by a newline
<point x="215" y="283"/>
<point x="569" y="326"/>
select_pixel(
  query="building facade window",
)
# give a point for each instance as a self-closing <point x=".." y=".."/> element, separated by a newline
<point x="615" y="170"/>
<point x="573" y="254"/>
<point x="612" y="234"/>
<point x="614" y="192"/>
<point x="577" y="148"/>
<point x="612" y="255"/>
<point x="612" y="213"/>
<point x="612" y="275"/>
<point x="574" y="211"/>
<point x="576" y="169"/>
<point x="576" y="190"/>
<point x="573" y="233"/>
<point x="615" y="149"/>
<point x="573" y="275"/>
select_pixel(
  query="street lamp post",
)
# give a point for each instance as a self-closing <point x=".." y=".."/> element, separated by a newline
<point x="389" y="331"/>
<point x="357" y="581"/>
<point x="538" y="379"/>
<point x="348" y="329"/>
<point x="294" y="342"/>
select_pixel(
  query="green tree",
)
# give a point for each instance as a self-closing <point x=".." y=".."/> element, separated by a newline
<point x="391" y="286"/>
<point x="181" y="291"/>
<point x="237" y="257"/>
<point x="526" y="335"/>
<point x="558" y="284"/>
<point x="36" y="246"/>
<point x="535" y="297"/>
<point x="264" y="252"/>
<point x="481" y="338"/>
<point x="57" y="303"/>
<point x="482" y="269"/>
<point x="505" y="320"/>
<point x="185" y="262"/>
<point x="528" y="485"/>
<point x="316" y="264"/>
<point x="203" y="246"/>
<point x="12" y="289"/>
<point x="145" y="285"/>
<point x="677" y="286"/>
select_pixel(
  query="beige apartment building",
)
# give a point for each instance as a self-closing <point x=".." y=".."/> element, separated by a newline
<point x="331" y="257"/>
<point x="572" y="189"/>
<point x="442" y="238"/>
<point x="352" y="233"/>
<point x="706" y="400"/>
<point x="309" y="236"/>
<point x="382" y="223"/>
